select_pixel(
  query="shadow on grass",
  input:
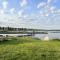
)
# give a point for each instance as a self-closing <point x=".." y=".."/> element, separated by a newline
<point x="11" y="41"/>
<point x="18" y="40"/>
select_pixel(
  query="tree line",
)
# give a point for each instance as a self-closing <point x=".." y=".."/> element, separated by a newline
<point x="15" y="29"/>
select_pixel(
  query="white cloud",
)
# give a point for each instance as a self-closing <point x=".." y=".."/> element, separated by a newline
<point x="25" y="16"/>
<point x="46" y="8"/>
<point x="58" y="11"/>
<point x="52" y="9"/>
<point x="49" y="1"/>
<point x="47" y="14"/>
<point x="23" y="3"/>
<point x="20" y="13"/>
<point x="12" y="10"/>
<point x="42" y="20"/>
<point x="41" y="13"/>
<point x="1" y="12"/>
<point x="41" y="4"/>
<point x="4" y="3"/>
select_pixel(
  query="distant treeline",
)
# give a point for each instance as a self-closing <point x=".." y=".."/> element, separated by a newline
<point x="11" y="30"/>
<point x="24" y="29"/>
<point x="15" y="29"/>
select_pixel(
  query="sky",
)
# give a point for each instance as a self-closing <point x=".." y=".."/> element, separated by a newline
<point x="38" y="14"/>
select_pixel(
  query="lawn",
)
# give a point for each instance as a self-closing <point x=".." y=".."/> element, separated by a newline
<point x="27" y="48"/>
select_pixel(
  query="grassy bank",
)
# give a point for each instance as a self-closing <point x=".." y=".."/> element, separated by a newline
<point x="27" y="48"/>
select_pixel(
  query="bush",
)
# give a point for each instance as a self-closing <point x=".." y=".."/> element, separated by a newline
<point x="56" y="39"/>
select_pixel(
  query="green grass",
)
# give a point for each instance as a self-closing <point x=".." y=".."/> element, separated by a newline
<point x="27" y="48"/>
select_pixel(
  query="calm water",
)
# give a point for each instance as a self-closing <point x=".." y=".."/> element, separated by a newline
<point x="41" y="36"/>
<point x="49" y="35"/>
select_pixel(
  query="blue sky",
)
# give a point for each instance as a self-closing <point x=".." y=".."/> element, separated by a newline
<point x="43" y="14"/>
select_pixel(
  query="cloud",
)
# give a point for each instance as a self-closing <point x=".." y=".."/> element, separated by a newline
<point x="46" y="8"/>
<point x="57" y="11"/>
<point x="5" y="4"/>
<point x="23" y="3"/>
<point x="48" y="16"/>
<point x="25" y="16"/>
<point x="1" y="12"/>
<point x="12" y="10"/>
<point x="49" y="1"/>
<point x="44" y="14"/>
<point x="20" y="13"/>
<point x="52" y="9"/>
<point x="42" y="4"/>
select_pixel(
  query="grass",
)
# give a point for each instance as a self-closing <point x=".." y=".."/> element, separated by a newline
<point x="27" y="48"/>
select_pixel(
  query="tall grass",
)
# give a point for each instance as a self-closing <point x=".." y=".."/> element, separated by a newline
<point x="27" y="48"/>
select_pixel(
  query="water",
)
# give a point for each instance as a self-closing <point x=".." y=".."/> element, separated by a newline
<point x="49" y="35"/>
<point x="13" y="34"/>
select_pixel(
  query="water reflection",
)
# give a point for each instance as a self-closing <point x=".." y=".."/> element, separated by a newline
<point x="50" y="35"/>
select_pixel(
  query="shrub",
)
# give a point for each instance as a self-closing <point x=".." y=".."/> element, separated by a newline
<point x="56" y="39"/>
